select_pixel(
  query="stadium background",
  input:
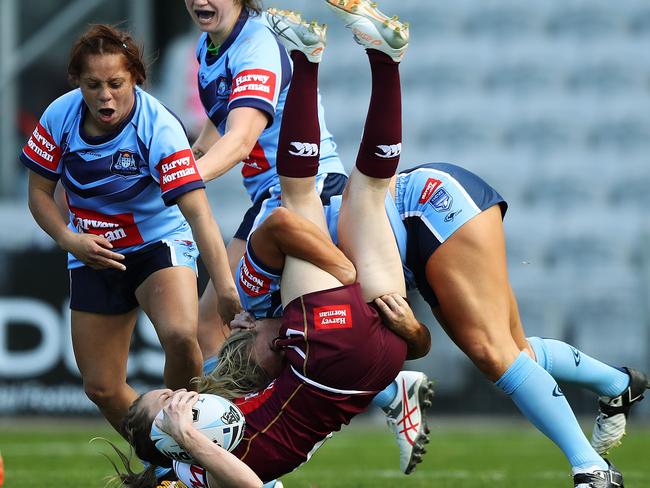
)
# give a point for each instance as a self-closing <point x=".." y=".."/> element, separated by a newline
<point x="548" y="101"/>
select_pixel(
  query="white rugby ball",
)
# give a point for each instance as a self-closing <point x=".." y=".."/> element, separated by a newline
<point x="217" y="418"/>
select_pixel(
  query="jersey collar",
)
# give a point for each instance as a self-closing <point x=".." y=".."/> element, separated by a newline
<point x="239" y="25"/>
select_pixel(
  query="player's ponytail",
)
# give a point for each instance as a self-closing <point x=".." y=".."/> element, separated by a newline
<point x="102" y="39"/>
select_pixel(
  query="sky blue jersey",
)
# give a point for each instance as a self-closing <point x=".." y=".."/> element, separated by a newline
<point x="124" y="185"/>
<point x="252" y="69"/>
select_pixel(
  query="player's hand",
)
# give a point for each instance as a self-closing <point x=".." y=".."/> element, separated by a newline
<point x="177" y="414"/>
<point x="397" y="314"/>
<point x="94" y="251"/>
<point x="242" y="321"/>
<point x="228" y="306"/>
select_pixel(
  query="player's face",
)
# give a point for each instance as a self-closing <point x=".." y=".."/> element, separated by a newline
<point x="213" y="15"/>
<point x="153" y="401"/>
<point x="108" y="90"/>
<point x="269" y="357"/>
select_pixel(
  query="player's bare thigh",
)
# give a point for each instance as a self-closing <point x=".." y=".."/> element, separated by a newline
<point x="366" y="237"/>
<point x="468" y="274"/>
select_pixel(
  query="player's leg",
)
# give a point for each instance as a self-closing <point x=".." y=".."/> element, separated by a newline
<point x="298" y="146"/>
<point x="364" y="230"/>
<point x="618" y="389"/>
<point x="169" y="298"/>
<point x="101" y="348"/>
<point x="211" y="331"/>
<point x="469" y="276"/>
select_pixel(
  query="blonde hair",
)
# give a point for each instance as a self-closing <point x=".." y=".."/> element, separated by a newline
<point x="237" y="373"/>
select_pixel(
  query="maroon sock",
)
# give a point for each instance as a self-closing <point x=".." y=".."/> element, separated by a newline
<point x="299" y="142"/>
<point x="381" y="144"/>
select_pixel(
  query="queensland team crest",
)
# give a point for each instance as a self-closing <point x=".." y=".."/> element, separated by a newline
<point x="441" y="200"/>
<point x="125" y="163"/>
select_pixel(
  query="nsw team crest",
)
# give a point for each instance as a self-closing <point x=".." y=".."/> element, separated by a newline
<point x="125" y="163"/>
<point x="441" y="200"/>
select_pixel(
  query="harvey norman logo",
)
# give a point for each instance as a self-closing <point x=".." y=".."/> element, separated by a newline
<point x="177" y="170"/>
<point x="333" y="317"/>
<point x="254" y="83"/>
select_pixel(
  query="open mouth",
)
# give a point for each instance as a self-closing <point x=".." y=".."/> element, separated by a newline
<point x="204" y="15"/>
<point x="106" y="113"/>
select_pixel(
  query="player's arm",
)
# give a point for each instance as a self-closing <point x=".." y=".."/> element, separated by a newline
<point x="285" y="233"/>
<point x="224" y="469"/>
<point x="94" y="251"/>
<point x="196" y="210"/>
<point x="243" y="127"/>
<point x="399" y="318"/>
<point x="207" y="138"/>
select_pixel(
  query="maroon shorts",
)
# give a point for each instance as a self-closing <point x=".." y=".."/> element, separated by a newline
<point x="336" y="341"/>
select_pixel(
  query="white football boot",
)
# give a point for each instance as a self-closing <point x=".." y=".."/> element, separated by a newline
<point x="406" y="417"/>
<point x="297" y="35"/>
<point x="610" y="424"/>
<point x="371" y="28"/>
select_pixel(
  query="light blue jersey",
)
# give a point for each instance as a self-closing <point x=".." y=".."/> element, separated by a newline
<point x="252" y="69"/>
<point x="122" y="186"/>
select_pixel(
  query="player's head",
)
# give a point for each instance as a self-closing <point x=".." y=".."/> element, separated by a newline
<point x="106" y="64"/>
<point x="137" y="425"/>
<point x="218" y="15"/>
<point x="248" y="362"/>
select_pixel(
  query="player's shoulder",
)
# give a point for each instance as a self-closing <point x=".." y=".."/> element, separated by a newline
<point x="256" y="36"/>
<point x="64" y="108"/>
<point x="152" y="113"/>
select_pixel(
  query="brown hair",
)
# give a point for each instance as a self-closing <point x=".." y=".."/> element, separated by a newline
<point x="135" y="427"/>
<point x="254" y="5"/>
<point x="237" y="373"/>
<point x="102" y="39"/>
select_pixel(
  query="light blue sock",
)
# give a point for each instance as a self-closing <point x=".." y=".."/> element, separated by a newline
<point x="209" y="365"/>
<point x="565" y="363"/>
<point x="540" y="399"/>
<point x="386" y="396"/>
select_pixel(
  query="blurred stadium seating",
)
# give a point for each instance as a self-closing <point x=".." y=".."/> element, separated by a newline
<point x="550" y="103"/>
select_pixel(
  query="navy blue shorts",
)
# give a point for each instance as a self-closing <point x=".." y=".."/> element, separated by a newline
<point x="112" y="291"/>
<point x="327" y="185"/>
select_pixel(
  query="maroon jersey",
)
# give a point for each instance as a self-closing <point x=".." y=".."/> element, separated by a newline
<point x="339" y="355"/>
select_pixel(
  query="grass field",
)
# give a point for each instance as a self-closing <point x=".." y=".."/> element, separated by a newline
<point x="462" y="454"/>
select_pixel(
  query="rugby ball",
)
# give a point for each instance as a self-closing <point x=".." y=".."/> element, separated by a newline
<point x="217" y="418"/>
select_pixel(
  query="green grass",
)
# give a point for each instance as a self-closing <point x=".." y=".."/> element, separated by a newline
<point x="461" y="455"/>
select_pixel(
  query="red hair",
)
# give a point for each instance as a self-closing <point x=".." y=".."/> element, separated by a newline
<point x="102" y="39"/>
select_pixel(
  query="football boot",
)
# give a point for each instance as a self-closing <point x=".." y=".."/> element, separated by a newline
<point x="296" y="34"/>
<point x="610" y="478"/>
<point x="405" y="416"/>
<point x="371" y="28"/>
<point x="610" y="424"/>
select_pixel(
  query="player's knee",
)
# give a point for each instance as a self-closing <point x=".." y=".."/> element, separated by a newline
<point x="279" y="219"/>
<point x="175" y="341"/>
<point x="100" y="394"/>
<point x="490" y="359"/>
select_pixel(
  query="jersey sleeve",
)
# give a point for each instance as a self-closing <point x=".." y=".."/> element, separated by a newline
<point x="257" y="66"/>
<point x="171" y="161"/>
<point x="42" y="153"/>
